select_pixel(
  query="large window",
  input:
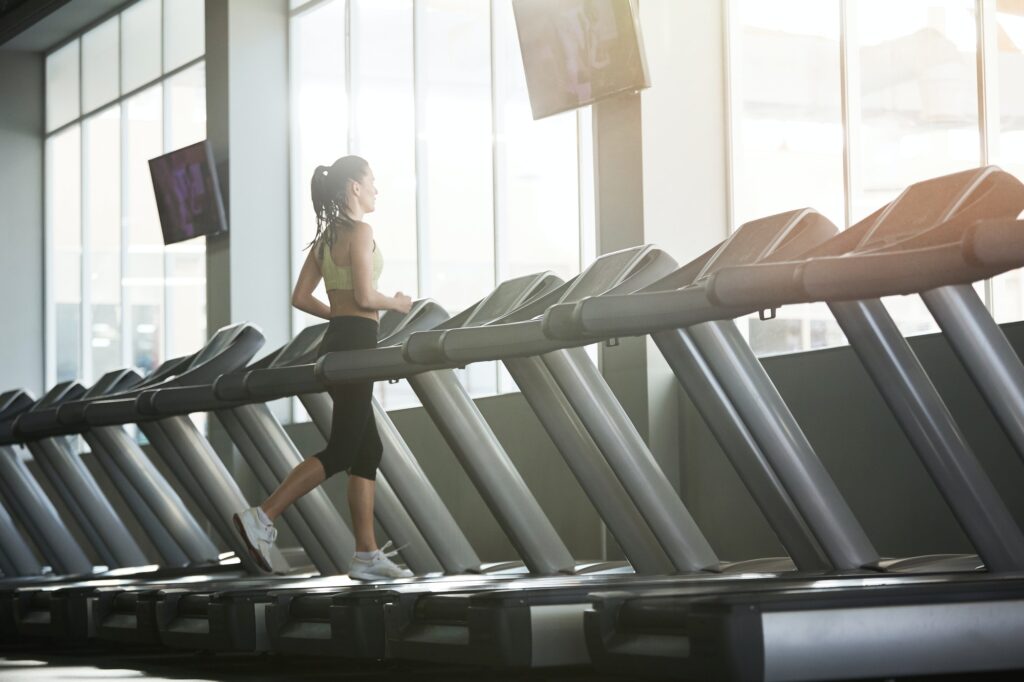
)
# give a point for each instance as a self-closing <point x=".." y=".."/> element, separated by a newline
<point x="904" y="87"/>
<point x="473" y="191"/>
<point x="1004" y="66"/>
<point x="123" y="92"/>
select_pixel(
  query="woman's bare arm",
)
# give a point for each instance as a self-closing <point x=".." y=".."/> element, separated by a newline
<point x="361" y="258"/>
<point x="309" y="278"/>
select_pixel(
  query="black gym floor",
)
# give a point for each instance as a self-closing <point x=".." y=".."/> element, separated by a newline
<point x="39" y="661"/>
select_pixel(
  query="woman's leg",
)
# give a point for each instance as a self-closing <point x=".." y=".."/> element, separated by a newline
<point x="360" y="503"/>
<point x="300" y="480"/>
<point x="362" y="481"/>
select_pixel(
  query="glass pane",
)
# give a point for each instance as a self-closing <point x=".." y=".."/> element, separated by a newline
<point x="144" y="258"/>
<point x="320" y="120"/>
<point x="918" y="114"/>
<point x="184" y="32"/>
<point x="186" y="106"/>
<point x="540" y="174"/>
<point x="918" y="91"/>
<point x="100" y="67"/>
<point x="62" y="99"/>
<point x="102" y="215"/>
<point x="458" y="139"/>
<point x="788" y="134"/>
<point x="185" y="279"/>
<point x="186" y="296"/>
<point x="384" y="129"/>
<point x="64" y="215"/>
<point x="788" y="140"/>
<point x="456" y="81"/>
<point x="140" y="50"/>
<point x="396" y="396"/>
<point x="794" y="328"/>
<point x="1007" y="144"/>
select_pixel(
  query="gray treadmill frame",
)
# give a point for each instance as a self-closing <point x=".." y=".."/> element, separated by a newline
<point x="17" y="558"/>
<point x="27" y="499"/>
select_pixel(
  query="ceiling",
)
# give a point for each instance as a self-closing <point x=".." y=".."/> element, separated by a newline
<point x="38" y="25"/>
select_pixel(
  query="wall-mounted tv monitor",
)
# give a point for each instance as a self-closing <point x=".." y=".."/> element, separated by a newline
<point x="187" y="193"/>
<point x="576" y="52"/>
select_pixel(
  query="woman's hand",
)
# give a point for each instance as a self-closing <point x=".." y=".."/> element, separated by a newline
<point x="403" y="303"/>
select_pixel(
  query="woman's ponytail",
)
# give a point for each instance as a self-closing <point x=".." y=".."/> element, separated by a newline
<point x="328" y="189"/>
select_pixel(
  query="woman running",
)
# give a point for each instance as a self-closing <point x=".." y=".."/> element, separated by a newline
<point x="345" y="255"/>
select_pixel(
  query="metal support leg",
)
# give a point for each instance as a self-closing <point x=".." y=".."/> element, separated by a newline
<point x="92" y="534"/>
<point x="985" y="353"/>
<point x="632" y="461"/>
<point x="170" y="525"/>
<point x="19" y="558"/>
<point x="588" y="465"/>
<point x="740" y="446"/>
<point x="910" y="394"/>
<point x="492" y="472"/>
<point x="81" y="492"/>
<point x="169" y="552"/>
<point x="56" y="542"/>
<point x="782" y="441"/>
<point x="34" y="533"/>
<point x="202" y="473"/>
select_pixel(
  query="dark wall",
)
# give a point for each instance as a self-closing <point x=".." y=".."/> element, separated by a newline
<point x="863" y="448"/>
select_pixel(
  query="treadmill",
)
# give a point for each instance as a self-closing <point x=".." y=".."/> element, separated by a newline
<point x="933" y="228"/>
<point x="19" y="409"/>
<point x="799" y="478"/>
<point x="175" y="534"/>
<point x="56" y="608"/>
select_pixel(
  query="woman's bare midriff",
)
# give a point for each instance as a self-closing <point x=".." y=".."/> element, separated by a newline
<point x="343" y="303"/>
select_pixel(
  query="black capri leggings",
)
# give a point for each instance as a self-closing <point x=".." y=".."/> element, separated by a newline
<point x="354" y="445"/>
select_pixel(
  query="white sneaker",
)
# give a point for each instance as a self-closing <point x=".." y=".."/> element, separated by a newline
<point x="378" y="567"/>
<point x="259" y="535"/>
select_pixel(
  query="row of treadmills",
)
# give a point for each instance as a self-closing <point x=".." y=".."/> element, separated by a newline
<point x="833" y="608"/>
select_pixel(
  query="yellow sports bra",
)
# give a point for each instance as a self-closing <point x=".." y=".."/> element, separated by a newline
<point x="340" y="276"/>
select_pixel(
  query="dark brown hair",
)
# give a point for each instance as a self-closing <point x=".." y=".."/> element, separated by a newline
<point x="329" y="190"/>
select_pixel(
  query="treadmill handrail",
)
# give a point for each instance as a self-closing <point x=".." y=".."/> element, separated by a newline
<point x="14" y="402"/>
<point x="995" y="243"/>
<point x="679" y="299"/>
<point x="984" y="249"/>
